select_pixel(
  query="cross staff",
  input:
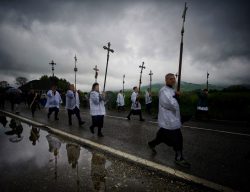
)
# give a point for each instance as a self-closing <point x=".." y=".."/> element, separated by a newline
<point x="75" y="69"/>
<point x="96" y="72"/>
<point x="207" y="79"/>
<point x="181" y="48"/>
<point x="123" y="85"/>
<point x="112" y="51"/>
<point x="150" y="84"/>
<point x="142" y="67"/>
<point x="52" y="64"/>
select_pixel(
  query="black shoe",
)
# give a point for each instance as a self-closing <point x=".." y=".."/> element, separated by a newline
<point x="100" y="135"/>
<point x="152" y="148"/>
<point x="183" y="163"/>
<point x="128" y="117"/>
<point x="142" y="119"/>
<point x="81" y="123"/>
<point x="91" y="129"/>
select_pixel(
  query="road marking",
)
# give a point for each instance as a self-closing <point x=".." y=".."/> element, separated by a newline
<point x="127" y="156"/>
<point x="191" y="127"/>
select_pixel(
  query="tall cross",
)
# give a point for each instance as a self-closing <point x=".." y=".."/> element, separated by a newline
<point x="75" y="69"/>
<point x="150" y="85"/>
<point x="181" y="48"/>
<point x="108" y="50"/>
<point x="142" y="67"/>
<point x="123" y="84"/>
<point x="96" y="72"/>
<point x="52" y="64"/>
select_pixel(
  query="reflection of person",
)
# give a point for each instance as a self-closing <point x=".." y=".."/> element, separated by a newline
<point x="136" y="105"/>
<point x="120" y="101"/>
<point x="73" y="152"/>
<point x="169" y="121"/>
<point x="53" y="101"/>
<point x="148" y="101"/>
<point x="34" y="135"/>
<point x="97" y="109"/>
<point x="16" y="127"/>
<point x="73" y="105"/>
<point x="54" y="144"/>
<point x="98" y="171"/>
<point x="202" y="105"/>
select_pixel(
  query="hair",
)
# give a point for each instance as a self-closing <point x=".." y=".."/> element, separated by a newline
<point x="93" y="86"/>
<point x="134" y="88"/>
<point x="168" y="75"/>
<point x="120" y="91"/>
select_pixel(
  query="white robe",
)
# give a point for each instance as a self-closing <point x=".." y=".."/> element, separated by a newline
<point x="169" y="111"/>
<point x="96" y="102"/>
<point x="53" y="100"/>
<point x="120" y="100"/>
<point x="148" y="98"/>
<point x="135" y="104"/>
<point x="72" y="100"/>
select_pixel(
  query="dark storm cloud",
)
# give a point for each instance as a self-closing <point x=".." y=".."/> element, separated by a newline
<point x="216" y="38"/>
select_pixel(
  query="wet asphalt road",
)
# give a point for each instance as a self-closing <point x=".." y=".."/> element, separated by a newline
<point x="218" y="151"/>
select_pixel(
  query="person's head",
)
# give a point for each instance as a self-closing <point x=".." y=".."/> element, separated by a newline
<point x="120" y="91"/>
<point x="53" y="87"/>
<point x="71" y="87"/>
<point x="170" y="79"/>
<point x="205" y="91"/>
<point x="148" y="89"/>
<point x="135" y="89"/>
<point x="95" y="87"/>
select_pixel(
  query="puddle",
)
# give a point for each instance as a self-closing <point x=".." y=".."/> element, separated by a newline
<point x="35" y="160"/>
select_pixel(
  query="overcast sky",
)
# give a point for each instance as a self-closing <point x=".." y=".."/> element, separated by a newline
<point x="216" y="39"/>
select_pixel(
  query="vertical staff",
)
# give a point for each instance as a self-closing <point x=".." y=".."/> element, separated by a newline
<point x="142" y="67"/>
<point x="123" y="81"/>
<point x="108" y="50"/>
<point x="52" y="63"/>
<point x="207" y="79"/>
<point x="75" y="69"/>
<point x="181" y="48"/>
<point x="150" y="82"/>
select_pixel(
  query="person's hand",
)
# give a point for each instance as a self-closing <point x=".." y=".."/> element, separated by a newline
<point x="103" y="94"/>
<point x="178" y="93"/>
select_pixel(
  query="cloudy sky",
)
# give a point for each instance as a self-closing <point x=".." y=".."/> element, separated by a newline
<point x="216" y="39"/>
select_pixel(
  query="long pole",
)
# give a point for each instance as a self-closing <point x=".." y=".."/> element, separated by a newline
<point x="75" y="69"/>
<point x="181" y="48"/>
<point x="109" y="50"/>
<point x="150" y="83"/>
<point x="207" y="79"/>
<point x="123" y="85"/>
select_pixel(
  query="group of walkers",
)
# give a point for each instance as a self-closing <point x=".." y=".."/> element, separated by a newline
<point x="169" y="119"/>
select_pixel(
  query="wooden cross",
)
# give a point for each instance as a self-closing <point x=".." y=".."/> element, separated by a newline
<point x="142" y="67"/>
<point x="108" y="50"/>
<point x="52" y="64"/>
<point x="96" y="72"/>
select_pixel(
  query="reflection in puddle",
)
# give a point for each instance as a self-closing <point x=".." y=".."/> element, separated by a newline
<point x="35" y="160"/>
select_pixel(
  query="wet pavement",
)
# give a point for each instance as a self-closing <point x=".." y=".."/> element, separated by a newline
<point x="215" y="149"/>
<point x="35" y="160"/>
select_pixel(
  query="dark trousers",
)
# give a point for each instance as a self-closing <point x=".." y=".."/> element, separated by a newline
<point x="135" y="112"/>
<point x="120" y="108"/>
<point x="75" y="111"/>
<point x="172" y="138"/>
<point x="148" y="108"/>
<point x="33" y="108"/>
<point x="53" y="109"/>
<point x="97" y="121"/>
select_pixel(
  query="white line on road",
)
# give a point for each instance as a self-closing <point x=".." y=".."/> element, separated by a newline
<point x="191" y="127"/>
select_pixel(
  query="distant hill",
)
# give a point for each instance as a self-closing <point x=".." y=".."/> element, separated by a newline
<point x="185" y="86"/>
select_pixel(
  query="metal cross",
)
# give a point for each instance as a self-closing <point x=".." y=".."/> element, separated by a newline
<point x="108" y="50"/>
<point x="52" y="64"/>
<point x="142" y="67"/>
<point x="150" y="85"/>
<point x="96" y="72"/>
